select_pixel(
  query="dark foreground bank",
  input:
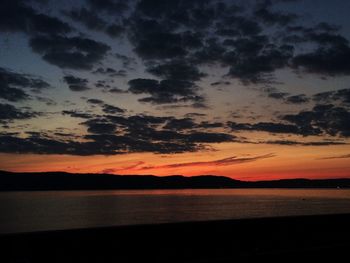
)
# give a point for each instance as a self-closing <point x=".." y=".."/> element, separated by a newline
<point x="277" y="239"/>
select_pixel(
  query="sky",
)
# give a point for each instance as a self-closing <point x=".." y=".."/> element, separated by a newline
<point x="253" y="90"/>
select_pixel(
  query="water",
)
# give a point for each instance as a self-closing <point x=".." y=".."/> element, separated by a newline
<point x="52" y="210"/>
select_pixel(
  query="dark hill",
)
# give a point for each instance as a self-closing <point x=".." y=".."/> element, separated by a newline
<point x="65" y="181"/>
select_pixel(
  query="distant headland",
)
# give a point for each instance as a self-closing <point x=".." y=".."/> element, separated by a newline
<point x="10" y="181"/>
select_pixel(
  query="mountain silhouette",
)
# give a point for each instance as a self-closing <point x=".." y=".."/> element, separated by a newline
<point x="10" y="181"/>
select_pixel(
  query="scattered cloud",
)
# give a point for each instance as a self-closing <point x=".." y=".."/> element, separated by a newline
<point x="221" y="162"/>
<point x="69" y="52"/>
<point x="76" y="83"/>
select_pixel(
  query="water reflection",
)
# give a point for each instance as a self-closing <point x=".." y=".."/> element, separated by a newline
<point x="33" y="211"/>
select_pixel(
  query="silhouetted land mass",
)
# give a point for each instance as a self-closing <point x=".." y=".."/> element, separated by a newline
<point x="66" y="181"/>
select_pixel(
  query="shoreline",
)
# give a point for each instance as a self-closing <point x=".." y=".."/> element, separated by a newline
<point x="316" y="236"/>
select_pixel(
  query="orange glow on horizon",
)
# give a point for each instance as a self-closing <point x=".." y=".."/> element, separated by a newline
<point x="267" y="163"/>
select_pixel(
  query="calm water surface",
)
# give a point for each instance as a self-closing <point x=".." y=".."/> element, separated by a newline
<point x="33" y="211"/>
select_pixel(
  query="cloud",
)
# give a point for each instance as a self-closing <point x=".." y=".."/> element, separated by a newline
<point x="47" y="101"/>
<point x="345" y="156"/>
<point x="110" y="109"/>
<point x="110" y="72"/>
<point x="97" y="126"/>
<point x="128" y="62"/>
<point x="218" y="83"/>
<point x="221" y="162"/>
<point x="117" y="90"/>
<point x="180" y="124"/>
<point x="95" y="101"/>
<point x="286" y="97"/>
<point x="77" y="114"/>
<point x="9" y="113"/>
<point x="265" y="127"/>
<point x="297" y="143"/>
<point x="272" y="18"/>
<point x="331" y="58"/>
<point x="277" y="95"/>
<point x="256" y="67"/>
<point x="177" y="70"/>
<point x="109" y="6"/>
<point x="16" y="16"/>
<point x="87" y="17"/>
<point x="165" y="91"/>
<point x="327" y="119"/>
<point x="75" y="83"/>
<point x="92" y="21"/>
<point x="69" y="52"/>
<point x="342" y="95"/>
<point x="297" y="99"/>
<point x="13" y="86"/>
<point x="116" y="170"/>
<point x="143" y="133"/>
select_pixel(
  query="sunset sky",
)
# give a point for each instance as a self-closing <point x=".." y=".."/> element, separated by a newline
<point x="250" y="89"/>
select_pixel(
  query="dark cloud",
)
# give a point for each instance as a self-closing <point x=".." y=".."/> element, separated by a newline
<point x="265" y="127"/>
<point x="108" y="86"/>
<point x="164" y="31"/>
<point x="47" y="101"/>
<point x="195" y="114"/>
<point x="87" y="17"/>
<point x="117" y="90"/>
<point x="165" y="91"/>
<point x="206" y="137"/>
<point x="75" y="83"/>
<point x="277" y="95"/>
<point x="103" y="84"/>
<point x="12" y="94"/>
<point x="342" y="95"/>
<point x="92" y="21"/>
<point x="217" y="83"/>
<point x="297" y="143"/>
<point x="95" y="101"/>
<point x="115" y="30"/>
<point x="69" y="52"/>
<point x="206" y="124"/>
<point x="127" y="62"/>
<point x="116" y="134"/>
<point x="272" y="18"/>
<point x="257" y="67"/>
<point x="9" y="113"/>
<point x="161" y="45"/>
<point x="176" y="69"/>
<point x="44" y="145"/>
<point x="110" y="109"/>
<point x="110" y="72"/>
<point x="16" y="16"/>
<point x="155" y="35"/>
<point x="13" y="86"/>
<point x="330" y="58"/>
<point x="109" y="6"/>
<point x="146" y="133"/>
<point x="327" y="119"/>
<point x="77" y="114"/>
<point x="286" y="97"/>
<point x="297" y="99"/>
<point x="180" y="124"/>
<point x="321" y="120"/>
<point x="236" y="25"/>
<point x="331" y="61"/>
<point x="98" y="126"/>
